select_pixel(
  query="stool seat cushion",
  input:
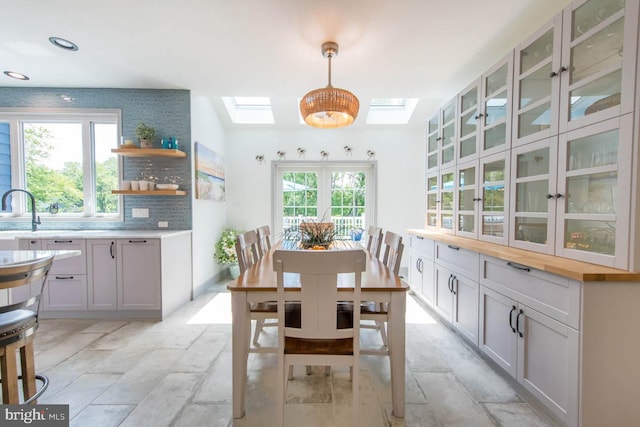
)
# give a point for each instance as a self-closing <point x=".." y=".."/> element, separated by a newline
<point x="15" y="322"/>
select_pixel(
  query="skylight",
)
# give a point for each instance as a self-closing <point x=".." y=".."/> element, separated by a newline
<point x="249" y="109"/>
<point x="391" y="111"/>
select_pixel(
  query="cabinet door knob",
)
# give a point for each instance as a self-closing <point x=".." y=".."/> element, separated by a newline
<point x="552" y="74"/>
<point x="558" y="195"/>
<point x="550" y="196"/>
<point x="478" y="116"/>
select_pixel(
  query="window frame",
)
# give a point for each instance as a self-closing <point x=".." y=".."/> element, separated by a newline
<point x="16" y="117"/>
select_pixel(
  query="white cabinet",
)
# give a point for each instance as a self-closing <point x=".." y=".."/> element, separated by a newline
<point x="421" y="267"/>
<point x="495" y="114"/>
<point x="539" y="350"/>
<point x="102" y="272"/>
<point x="66" y="287"/>
<point x="456" y="288"/>
<point x="139" y="274"/>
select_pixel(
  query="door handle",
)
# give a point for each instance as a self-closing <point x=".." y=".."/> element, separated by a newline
<point x="449" y="284"/>
<point x="453" y="291"/>
<point x="513" y="308"/>
<point x="518" y="322"/>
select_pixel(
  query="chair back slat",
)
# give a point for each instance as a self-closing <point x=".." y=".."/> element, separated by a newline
<point x="247" y="249"/>
<point x="374" y="240"/>
<point x="319" y="294"/>
<point x="264" y="240"/>
<point x="393" y="251"/>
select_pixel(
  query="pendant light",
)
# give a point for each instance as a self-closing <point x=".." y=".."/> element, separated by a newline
<point x="329" y="107"/>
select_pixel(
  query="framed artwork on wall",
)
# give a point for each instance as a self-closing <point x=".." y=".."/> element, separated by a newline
<point x="209" y="174"/>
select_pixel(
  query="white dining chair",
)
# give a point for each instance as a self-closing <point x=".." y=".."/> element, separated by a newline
<point x="264" y="240"/>
<point x="374" y="240"/>
<point x="379" y="312"/>
<point x="264" y="313"/>
<point x="317" y="332"/>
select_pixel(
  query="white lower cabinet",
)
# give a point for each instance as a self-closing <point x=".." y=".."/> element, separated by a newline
<point x="540" y="352"/>
<point x="138" y="270"/>
<point x="66" y="287"/>
<point x="421" y="267"/>
<point x="456" y="300"/>
<point x="102" y="271"/>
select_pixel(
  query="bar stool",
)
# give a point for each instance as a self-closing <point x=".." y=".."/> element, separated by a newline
<point x="18" y="323"/>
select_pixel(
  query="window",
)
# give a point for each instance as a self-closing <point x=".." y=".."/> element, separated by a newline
<point x="64" y="158"/>
<point x="339" y="193"/>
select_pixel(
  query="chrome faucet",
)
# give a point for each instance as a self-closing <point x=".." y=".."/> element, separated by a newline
<point x="35" y="220"/>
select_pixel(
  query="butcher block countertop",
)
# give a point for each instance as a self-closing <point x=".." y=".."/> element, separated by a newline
<point x="577" y="270"/>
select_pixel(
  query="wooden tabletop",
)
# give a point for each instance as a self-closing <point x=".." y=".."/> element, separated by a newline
<point x="261" y="277"/>
<point x="577" y="270"/>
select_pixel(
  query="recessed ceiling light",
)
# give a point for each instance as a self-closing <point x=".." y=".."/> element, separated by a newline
<point x="16" y="76"/>
<point x="63" y="43"/>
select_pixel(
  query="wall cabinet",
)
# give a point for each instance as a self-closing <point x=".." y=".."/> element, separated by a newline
<point x="561" y="109"/>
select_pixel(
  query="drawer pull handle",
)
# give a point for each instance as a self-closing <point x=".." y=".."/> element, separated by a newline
<point x="518" y="267"/>
<point x="137" y="241"/>
<point x="63" y="241"/>
<point x="455" y="248"/>
<point x="513" y="308"/>
<point x="420" y="237"/>
<point x="64" y="277"/>
<point x="518" y="322"/>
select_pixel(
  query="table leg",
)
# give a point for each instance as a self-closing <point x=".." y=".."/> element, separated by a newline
<point x="240" y="335"/>
<point x="396" y="336"/>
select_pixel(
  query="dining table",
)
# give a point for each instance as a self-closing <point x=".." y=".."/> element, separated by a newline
<point x="259" y="283"/>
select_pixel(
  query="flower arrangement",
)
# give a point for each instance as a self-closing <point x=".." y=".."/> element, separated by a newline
<point x="317" y="235"/>
<point x="226" y="247"/>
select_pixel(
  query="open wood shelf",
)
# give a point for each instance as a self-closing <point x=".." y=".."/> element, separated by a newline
<point x="148" y="152"/>
<point x="150" y="192"/>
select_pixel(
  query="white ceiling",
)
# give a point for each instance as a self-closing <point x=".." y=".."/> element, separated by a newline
<point x="427" y="49"/>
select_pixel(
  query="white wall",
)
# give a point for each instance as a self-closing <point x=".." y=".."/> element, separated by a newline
<point x="208" y="216"/>
<point x="400" y="165"/>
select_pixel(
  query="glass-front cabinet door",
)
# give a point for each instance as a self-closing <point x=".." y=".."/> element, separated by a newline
<point x="594" y="177"/>
<point x="599" y="56"/>
<point x="433" y="140"/>
<point x="495" y="129"/>
<point x="446" y="197"/>
<point x="468" y="122"/>
<point x="448" y="135"/>
<point x="432" y="200"/>
<point x="533" y="206"/>
<point x="537" y="84"/>
<point x="467" y="199"/>
<point x="494" y="194"/>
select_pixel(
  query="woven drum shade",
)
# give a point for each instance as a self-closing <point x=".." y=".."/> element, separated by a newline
<point x="329" y="107"/>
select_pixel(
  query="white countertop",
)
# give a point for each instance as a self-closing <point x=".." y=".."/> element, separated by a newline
<point x="8" y="258"/>
<point x="89" y="234"/>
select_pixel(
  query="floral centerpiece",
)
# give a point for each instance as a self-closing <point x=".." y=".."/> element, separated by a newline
<point x="225" y="253"/>
<point x="316" y="234"/>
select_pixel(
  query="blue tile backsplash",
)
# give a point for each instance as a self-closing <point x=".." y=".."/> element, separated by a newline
<point x="166" y="110"/>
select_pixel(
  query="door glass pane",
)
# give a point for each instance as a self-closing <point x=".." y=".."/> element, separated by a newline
<point x="493" y="172"/>
<point x="595" y="150"/>
<point x="466" y="202"/>
<point x="466" y="223"/>
<point x="493" y="198"/>
<point x="497" y="79"/>
<point x="447" y="155"/>
<point x="449" y="113"/>
<point x="531" y="230"/>
<point x="533" y="163"/>
<point x="601" y="51"/>
<point x="432" y="201"/>
<point x="433" y="124"/>
<point x="447" y="200"/>
<point x="54" y="166"/>
<point x="532" y="196"/>
<point x="299" y="199"/>
<point x="432" y="161"/>
<point x="433" y="143"/>
<point x="106" y="167"/>
<point x="536" y="52"/>
<point x="432" y="219"/>
<point x="446" y="221"/>
<point x="534" y="120"/>
<point x="348" y="202"/>
<point x="469" y="99"/>
<point x="432" y="183"/>
<point x="468" y="147"/>
<point x="496" y="108"/>
<point x="591" y="236"/>
<point x="593" y="194"/>
<point x="468" y="123"/>
<point x="535" y="86"/>
<point x="447" y="134"/>
<point x="592" y="13"/>
<point x="493" y="225"/>
<point x="495" y="136"/>
<point x="597" y="95"/>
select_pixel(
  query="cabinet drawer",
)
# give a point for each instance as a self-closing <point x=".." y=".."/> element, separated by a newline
<point x="72" y="265"/>
<point x="462" y="261"/>
<point x="555" y="296"/>
<point x="65" y="292"/>
<point x="422" y="245"/>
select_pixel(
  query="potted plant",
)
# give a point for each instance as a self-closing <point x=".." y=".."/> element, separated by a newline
<point x="225" y="253"/>
<point x="146" y="134"/>
<point x="314" y="234"/>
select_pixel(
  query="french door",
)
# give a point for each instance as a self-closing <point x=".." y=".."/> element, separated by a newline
<point x="337" y="192"/>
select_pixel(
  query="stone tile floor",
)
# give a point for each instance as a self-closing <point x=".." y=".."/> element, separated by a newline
<point x="178" y="373"/>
